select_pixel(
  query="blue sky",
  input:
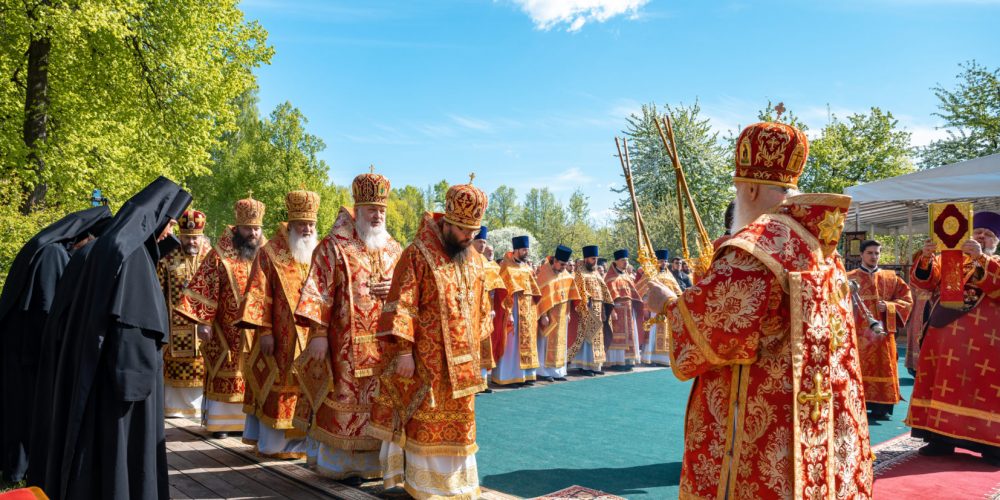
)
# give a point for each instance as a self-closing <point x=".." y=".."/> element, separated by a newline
<point x="530" y="93"/>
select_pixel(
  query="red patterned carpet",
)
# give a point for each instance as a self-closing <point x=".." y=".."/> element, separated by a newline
<point x="900" y="472"/>
<point x="578" y="493"/>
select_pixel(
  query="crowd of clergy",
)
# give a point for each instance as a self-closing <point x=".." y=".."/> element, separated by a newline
<point x="365" y="358"/>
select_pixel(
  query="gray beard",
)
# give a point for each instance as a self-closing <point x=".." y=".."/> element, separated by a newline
<point x="374" y="238"/>
<point x="301" y="248"/>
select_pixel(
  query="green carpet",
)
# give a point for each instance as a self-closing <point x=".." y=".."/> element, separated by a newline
<point x="619" y="434"/>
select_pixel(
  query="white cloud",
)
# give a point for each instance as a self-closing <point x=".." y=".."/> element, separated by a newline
<point x="574" y="14"/>
<point x="472" y="123"/>
<point x="922" y="135"/>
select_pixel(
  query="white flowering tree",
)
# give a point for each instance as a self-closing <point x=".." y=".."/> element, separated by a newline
<point x="500" y="240"/>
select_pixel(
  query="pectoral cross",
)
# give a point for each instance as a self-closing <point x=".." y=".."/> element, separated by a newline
<point x="816" y="397"/>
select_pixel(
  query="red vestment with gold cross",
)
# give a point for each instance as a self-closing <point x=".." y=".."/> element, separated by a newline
<point x="957" y="389"/>
<point x="268" y="307"/>
<point x="438" y="309"/>
<point x="559" y="295"/>
<point x="337" y="303"/>
<point x="213" y="297"/>
<point x="777" y="407"/>
<point x="879" y="358"/>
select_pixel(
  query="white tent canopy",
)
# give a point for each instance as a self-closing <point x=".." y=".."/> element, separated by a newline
<point x="899" y="205"/>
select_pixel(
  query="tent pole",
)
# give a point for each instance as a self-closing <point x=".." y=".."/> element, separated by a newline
<point x="909" y="227"/>
<point x="857" y="218"/>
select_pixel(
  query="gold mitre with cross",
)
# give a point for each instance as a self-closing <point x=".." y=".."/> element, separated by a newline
<point x="249" y="212"/>
<point x="371" y="189"/>
<point x="302" y="205"/>
<point x="465" y="205"/>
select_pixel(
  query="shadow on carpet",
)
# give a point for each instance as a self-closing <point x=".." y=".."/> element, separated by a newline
<point x="617" y="481"/>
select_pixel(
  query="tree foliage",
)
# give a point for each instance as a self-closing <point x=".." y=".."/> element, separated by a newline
<point x="706" y="163"/>
<point x="270" y="157"/>
<point x="866" y="147"/>
<point x="135" y="89"/>
<point x="971" y="114"/>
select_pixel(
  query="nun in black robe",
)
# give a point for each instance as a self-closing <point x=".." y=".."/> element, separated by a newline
<point x="106" y="435"/>
<point x="25" y="303"/>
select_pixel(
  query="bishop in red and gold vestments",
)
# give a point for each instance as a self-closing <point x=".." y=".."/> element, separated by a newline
<point x="777" y="407"/>
<point x="269" y="303"/>
<point x="342" y="301"/>
<point x="887" y="298"/>
<point x="183" y="365"/>
<point x="213" y="299"/>
<point x="956" y="393"/>
<point x="623" y="352"/>
<point x="559" y="296"/>
<point x="493" y="283"/>
<point x="436" y="315"/>
<point x="515" y="333"/>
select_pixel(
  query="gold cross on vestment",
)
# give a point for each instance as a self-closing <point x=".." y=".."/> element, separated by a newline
<point x="816" y="397"/>
<point x="984" y="367"/>
<point x="937" y="419"/>
<point x="945" y="390"/>
<point x="993" y="337"/>
<point x="406" y="382"/>
<point x="950" y="357"/>
<point x="978" y="316"/>
<point x="970" y="346"/>
<point x="964" y="377"/>
<point x="955" y="328"/>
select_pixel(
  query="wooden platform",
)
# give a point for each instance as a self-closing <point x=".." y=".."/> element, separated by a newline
<point x="206" y="468"/>
<point x="201" y="468"/>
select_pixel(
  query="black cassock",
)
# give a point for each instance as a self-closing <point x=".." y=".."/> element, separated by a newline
<point x="27" y="298"/>
<point x="106" y="436"/>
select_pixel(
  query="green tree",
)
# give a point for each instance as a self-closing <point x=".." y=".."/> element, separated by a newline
<point x="543" y="216"/>
<point x="405" y="210"/>
<point x="866" y="147"/>
<point x="706" y="163"/>
<point x="971" y="114"/>
<point x="270" y="157"/>
<point x="503" y="209"/>
<point x="112" y="94"/>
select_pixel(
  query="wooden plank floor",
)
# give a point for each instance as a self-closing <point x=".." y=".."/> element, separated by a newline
<point x="226" y="468"/>
<point x="205" y="468"/>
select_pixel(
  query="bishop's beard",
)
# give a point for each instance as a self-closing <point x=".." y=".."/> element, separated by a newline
<point x="374" y="237"/>
<point x="245" y="248"/>
<point x="741" y="217"/>
<point x="301" y="246"/>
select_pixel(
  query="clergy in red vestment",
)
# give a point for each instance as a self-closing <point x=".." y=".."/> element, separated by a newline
<point x="626" y="320"/>
<point x="493" y="283"/>
<point x="777" y="407"/>
<point x="269" y="303"/>
<point x="887" y="298"/>
<point x="433" y="322"/>
<point x="956" y="394"/>
<point x="213" y="299"/>
<point x="342" y="300"/>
